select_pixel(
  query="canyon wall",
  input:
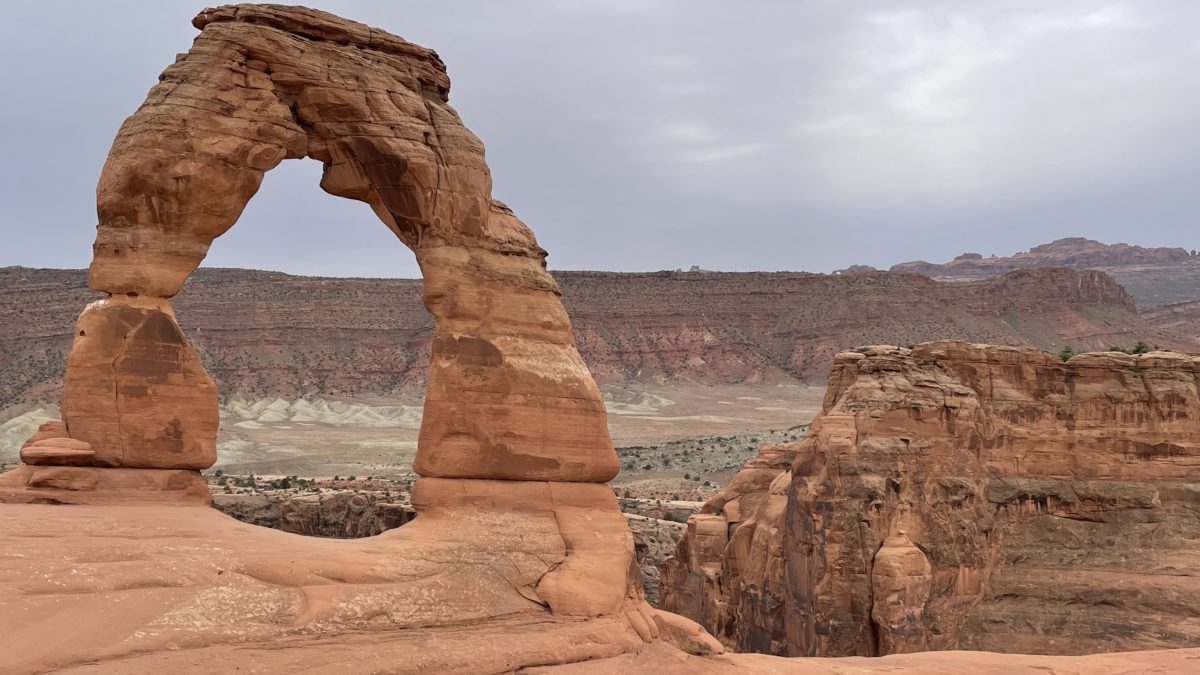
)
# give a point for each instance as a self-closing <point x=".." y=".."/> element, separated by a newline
<point x="963" y="496"/>
<point x="266" y="334"/>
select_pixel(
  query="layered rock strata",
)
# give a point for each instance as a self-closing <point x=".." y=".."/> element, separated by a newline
<point x="267" y="334"/>
<point x="960" y="496"/>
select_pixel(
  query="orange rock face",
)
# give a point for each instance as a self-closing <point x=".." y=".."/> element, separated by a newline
<point x="961" y="496"/>
<point x="136" y="392"/>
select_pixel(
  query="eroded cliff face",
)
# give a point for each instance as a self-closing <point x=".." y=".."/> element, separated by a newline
<point x="267" y="334"/>
<point x="960" y="496"/>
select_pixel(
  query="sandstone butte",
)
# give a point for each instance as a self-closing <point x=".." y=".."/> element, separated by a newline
<point x="963" y="496"/>
<point x="519" y="559"/>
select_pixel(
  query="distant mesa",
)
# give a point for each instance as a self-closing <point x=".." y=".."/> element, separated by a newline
<point x="1155" y="276"/>
<point x="856" y="269"/>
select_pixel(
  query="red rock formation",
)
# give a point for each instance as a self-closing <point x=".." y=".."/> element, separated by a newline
<point x="514" y="449"/>
<point x="1047" y="507"/>
<point x="135" y="391"/>
<point x="900" y="584"/>
<point x="261" y="85"/>
<point x="519" y="557"/>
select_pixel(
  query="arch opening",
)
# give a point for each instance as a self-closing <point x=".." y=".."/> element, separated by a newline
<point x="314" y="439"/>
<point x="292" y="226"/>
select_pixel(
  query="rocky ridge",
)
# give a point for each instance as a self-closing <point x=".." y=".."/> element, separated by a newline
<point x="266" y="334"/>
<point x="1154" y="275"/>
<point x="959" y="496"/>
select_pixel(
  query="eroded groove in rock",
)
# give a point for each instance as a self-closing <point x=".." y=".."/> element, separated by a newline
<point x="959" y="496"/>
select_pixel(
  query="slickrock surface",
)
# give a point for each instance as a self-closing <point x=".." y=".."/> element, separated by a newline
<point x="960" y="496"/>
<point x="130" y="589"/>
<point x="1155" y="276"/>
<point x="266" y="334"/>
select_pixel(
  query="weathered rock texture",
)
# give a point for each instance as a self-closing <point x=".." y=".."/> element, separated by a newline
<point x="132" y="590"/>
<point x="961" y="496"/>
<point x="1180" y="318"/>
<point x="654" y="540"/>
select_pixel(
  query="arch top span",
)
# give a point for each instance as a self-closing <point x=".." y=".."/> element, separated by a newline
<point x="509" y="396"/>
<point x="262" y="84"/>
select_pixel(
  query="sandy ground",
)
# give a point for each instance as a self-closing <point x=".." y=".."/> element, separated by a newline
<point x="321" y="437"/>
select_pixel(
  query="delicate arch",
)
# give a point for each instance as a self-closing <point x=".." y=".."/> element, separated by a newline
<point x="509" y="396"/>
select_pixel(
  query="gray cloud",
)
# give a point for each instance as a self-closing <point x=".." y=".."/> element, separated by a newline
<point x="641" y="135"/>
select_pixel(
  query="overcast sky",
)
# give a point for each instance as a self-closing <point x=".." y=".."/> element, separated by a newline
<point x="646" y="135"/>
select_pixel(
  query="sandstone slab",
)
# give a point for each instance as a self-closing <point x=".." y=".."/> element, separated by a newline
<point x="58" y="451"/>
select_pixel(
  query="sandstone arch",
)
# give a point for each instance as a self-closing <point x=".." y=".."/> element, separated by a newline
<point x="509" y="396"/>
<point x="513" y="451"/>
